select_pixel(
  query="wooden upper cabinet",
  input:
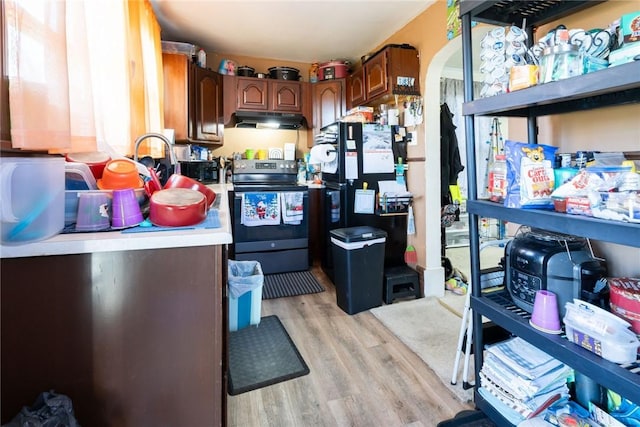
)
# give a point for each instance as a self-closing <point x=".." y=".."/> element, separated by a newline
<point x="357" y="94"/>
<point x="375" y="71"/>
<point x="329" y="103"/>
<point x="5" y="131"/>
<point x="286" y="96"/>
<point x="192" y="100"/>
<point x="268" y="95"/>
<point x="252" y="94"/>
<point x="208" y="124"/>
<point x="394" y="70"/>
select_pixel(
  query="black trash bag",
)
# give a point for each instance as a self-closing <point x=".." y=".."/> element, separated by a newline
<point x="49" y="410"/>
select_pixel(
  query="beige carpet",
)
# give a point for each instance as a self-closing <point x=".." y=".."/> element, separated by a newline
<point x="431" y="331"/>
<point x="431" y="326"/>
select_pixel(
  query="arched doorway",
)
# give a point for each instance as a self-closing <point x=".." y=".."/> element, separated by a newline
<point x="449" y="55"/>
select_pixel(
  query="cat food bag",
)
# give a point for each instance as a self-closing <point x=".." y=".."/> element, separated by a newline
<point x="530" y="178"/>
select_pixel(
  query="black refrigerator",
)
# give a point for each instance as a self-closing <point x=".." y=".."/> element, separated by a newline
<point x="364" y="153"/>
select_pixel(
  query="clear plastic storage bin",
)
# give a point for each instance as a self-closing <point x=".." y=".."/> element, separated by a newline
<point x="600" y="332"/>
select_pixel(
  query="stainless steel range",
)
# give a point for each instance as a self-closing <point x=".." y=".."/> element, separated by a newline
<point x="270" y="218"/>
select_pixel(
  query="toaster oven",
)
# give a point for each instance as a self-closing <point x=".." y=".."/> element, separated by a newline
<point x="560" y="263"/>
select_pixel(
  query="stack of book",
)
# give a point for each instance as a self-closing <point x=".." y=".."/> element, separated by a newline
<point x="520" y="380"/>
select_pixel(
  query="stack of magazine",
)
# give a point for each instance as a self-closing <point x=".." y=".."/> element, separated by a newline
<point x="520" y="380"/>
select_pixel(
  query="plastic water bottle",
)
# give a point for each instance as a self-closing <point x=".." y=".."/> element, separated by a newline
<point x="302" y="172"/>
<point x="202" y="58"/>
<point x="498" y="179"/>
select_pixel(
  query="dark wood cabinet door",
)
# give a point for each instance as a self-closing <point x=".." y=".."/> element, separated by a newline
<point x="176" y="95"/>
<point x="357" y="91"/>
<point x="192" y="100"/>
<point x="286" y="96"/>
<point x="328" y="102"/>
<point x="141" y="344"/>
<point x="376" y="75"/>
<point x="253" y="94"/>
<point x="5" y="131"/>
<point x="207" y="106"/>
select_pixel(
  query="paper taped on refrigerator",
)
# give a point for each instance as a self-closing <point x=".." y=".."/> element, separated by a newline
<point x="377" y="152"/>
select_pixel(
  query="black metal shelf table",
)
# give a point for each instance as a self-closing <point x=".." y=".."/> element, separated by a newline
<point x="618" y="85"/>
<point x="499" y="307"/>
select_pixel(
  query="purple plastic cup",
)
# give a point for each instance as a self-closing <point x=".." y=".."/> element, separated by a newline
<point x="546" y="316"/>
<point x="93" y="212"/>
<point x="125" y="209"/>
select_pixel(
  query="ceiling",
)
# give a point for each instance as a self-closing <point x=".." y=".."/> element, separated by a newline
<point x="291" y="30"/>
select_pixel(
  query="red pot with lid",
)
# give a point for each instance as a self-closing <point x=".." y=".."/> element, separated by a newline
<point x="333" y="70"/>
<point x="177" y="207"/>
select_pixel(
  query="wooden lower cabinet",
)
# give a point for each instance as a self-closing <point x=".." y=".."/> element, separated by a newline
<point x="134" y="338"/>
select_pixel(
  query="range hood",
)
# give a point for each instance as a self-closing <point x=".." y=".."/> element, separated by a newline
<point x="268" y="120"/>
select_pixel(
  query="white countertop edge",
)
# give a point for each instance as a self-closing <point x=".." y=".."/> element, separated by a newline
<point x="67" y="244"/>
<point x="79" y="243"/>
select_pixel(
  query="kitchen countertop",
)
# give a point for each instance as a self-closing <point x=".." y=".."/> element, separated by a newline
<point x="79" y="243"/>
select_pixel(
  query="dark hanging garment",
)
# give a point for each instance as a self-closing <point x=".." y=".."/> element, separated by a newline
<point x="450" y="167"/>
<point x="450" y="163"/>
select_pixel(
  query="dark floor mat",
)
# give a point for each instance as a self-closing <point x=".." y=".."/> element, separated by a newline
<point x="262" y="355"/>
<point x="290" y="284"/>
<point x="468" y="418"/>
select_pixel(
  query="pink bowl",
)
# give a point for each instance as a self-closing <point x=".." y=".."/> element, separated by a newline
<point x="95" y="160"/>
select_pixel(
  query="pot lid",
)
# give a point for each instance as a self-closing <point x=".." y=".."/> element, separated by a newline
<point x="284" y="69"/>
<point x="334" y="63"/>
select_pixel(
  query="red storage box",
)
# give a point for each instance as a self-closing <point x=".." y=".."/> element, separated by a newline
<point x="625" y="299"/>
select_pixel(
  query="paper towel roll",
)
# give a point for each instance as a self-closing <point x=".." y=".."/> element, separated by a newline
<point x="322" y="153"/>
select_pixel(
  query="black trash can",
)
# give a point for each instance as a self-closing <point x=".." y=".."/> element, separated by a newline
<point x="358" y="260"/>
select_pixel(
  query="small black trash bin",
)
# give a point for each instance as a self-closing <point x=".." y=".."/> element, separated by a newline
<point x="358" y="259"/>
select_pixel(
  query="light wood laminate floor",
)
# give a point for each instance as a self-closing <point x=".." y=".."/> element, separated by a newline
<point x="360" y="373"/>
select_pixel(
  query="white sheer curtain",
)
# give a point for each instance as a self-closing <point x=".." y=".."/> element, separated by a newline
<point x="83" y="75"/>
<point x="452" y="93"/>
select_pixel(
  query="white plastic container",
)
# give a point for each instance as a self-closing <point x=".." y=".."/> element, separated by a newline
<point x="78" y="176"/>
<point x="31" y="198"/>
<point x="600" y="332"/>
